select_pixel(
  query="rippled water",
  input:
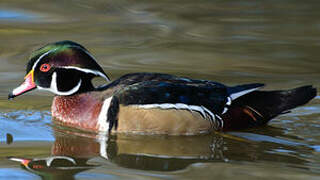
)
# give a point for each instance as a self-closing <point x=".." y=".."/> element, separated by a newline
<point x="274" y="42"/>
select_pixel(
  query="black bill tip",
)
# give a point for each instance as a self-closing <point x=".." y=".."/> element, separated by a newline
<point x="11" y="96"/>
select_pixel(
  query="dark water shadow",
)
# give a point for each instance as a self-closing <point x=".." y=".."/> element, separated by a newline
<point x="72" y="151"/>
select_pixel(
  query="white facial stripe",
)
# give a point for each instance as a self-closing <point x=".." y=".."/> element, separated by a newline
<point x="73" y="67"/>
<point x="102" y="124"/>
<point x="206" y="113"/>
<point x="43" y="55"/>
<point x="53" y="87"/>
<point x="98" y="73"/>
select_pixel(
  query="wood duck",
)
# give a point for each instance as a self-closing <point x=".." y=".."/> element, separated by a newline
<point x="148" y="103"/>
<point x="54" y="167"/>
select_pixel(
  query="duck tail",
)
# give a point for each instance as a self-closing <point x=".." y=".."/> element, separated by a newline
<point x="258" y="107"/>
<point x="240" y="90"/>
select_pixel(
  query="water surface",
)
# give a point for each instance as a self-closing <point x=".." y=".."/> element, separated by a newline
<point x="273" y="42"/>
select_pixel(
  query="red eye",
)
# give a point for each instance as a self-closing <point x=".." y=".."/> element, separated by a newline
<point x="45" y="67"/>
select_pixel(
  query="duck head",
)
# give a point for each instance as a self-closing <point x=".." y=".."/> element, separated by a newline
<point x="64" y="68"/>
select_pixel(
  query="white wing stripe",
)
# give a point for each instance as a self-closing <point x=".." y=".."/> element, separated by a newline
<point x="241" y="93"/>
<point x="204" y="112"/>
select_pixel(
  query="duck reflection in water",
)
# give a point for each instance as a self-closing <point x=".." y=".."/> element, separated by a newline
<point x="74" y="152"/>
<point x="155" y="152"/>
<point x="54" y="167"/>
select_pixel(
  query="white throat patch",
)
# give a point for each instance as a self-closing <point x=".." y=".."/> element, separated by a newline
<point x="54" y="88"/>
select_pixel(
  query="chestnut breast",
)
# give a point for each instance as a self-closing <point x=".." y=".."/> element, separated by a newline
<point x="80" y="111"/>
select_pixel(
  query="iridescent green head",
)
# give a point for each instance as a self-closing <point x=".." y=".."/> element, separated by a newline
<point x="64" y="68"/>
